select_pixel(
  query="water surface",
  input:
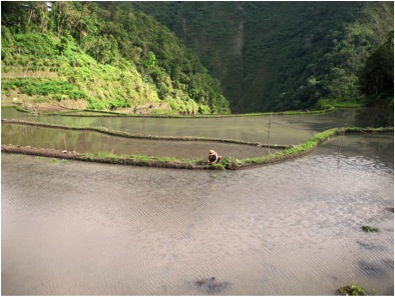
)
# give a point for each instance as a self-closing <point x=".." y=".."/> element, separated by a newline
<point x="95" y="142"/>
<point x="293" y="129"/>
<point x="75" y="228"/>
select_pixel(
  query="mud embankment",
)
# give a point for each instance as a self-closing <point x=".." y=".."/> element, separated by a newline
<point x="289" y="153"/>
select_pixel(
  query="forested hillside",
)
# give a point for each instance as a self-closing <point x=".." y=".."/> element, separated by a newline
<point x="104" y="58"/>
<point x="198" y="57"/>
<point x="284" y="54"/>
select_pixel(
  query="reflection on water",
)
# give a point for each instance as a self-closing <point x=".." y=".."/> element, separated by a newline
<point x="377" y="148"/>
<point x="94" y="142"/>
<point x="283" y="129"/>
<point x="74" y="228"/>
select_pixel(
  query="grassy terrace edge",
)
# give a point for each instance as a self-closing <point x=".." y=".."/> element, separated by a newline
<point x="289" y="152"/>
<point x="106" y="113"/>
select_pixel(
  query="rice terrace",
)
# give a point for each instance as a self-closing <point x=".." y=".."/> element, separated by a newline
<point x="197" y="148"/>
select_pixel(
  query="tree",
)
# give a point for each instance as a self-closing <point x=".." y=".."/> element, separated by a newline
<point x="150" y="61"/>
<point x="12" y="14"/>
<point x="377" y="77"/>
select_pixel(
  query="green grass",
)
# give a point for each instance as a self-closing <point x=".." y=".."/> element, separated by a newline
<point x="139" y="160"/>
<point x="352" y="290"/>
<point x="369" y="229"/>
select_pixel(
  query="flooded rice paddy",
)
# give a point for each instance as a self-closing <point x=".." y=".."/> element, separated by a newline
<point x="292" y="129"/>
<point x="95" y="142"/>
<point x="75" y="228"/>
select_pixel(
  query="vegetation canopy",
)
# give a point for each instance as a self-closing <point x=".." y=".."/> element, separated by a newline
<point x="198" y="57"/>
<point x="110" y="58"/>
<point x="287" y="55"/>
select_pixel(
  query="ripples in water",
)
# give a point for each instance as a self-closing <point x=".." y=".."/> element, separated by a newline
<point x="71" y="228"/>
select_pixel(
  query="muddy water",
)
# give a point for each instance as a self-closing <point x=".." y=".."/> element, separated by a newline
<point x="94" y="142"/>
<point x="283" y="129"/>
<point x="74" y="228"/>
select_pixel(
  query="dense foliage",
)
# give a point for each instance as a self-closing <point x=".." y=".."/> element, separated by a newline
<point x="377" y="76"/>
<point x="265" y="56"/>
<point x="281" y="55"/>
<point x="109" y="57"/>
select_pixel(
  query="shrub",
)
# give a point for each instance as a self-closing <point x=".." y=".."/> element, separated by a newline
<point x="230" y="163"/>
<point x="29" y="90"/>
<point x="217" y="166"/>
<point x="369" y="229"/>
<point x="57" y="97"/>
<point x="77" y="95"/>
<point x="354" y="290"/>
<point x="71" y="79"/>
<point x="204" y="109"/>
<point x="94" y="103"/>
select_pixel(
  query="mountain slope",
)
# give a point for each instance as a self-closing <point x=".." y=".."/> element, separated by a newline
<point x="279" y="55"/>
<point x="107" y="57"/>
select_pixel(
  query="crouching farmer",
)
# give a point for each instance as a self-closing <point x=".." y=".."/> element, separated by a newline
<point x="213" y="157"/>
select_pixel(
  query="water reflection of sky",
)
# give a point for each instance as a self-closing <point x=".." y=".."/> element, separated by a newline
<point x="76" y="228"/>
<point x="94" y="142"/>
<point x="366" y="150"/>
<point x="292" y="129"/>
